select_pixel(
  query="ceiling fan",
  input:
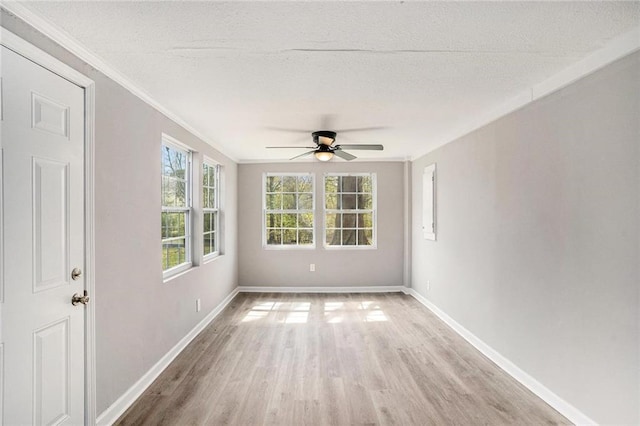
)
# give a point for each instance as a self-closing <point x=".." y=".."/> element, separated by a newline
<point x="325" y="148"/>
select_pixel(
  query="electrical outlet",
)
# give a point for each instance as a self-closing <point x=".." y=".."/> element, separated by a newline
<point x="198" y="306"/>
<point x="428" y="285"/>
<point x="312" y="267"/>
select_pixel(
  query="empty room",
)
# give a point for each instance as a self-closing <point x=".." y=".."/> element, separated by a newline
<point x="319" y="213"/>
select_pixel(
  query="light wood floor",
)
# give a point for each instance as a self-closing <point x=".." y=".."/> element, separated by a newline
<point x="339" y="359"/>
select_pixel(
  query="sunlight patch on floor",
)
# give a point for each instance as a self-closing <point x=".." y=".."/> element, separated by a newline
<point x="334" y="312"/>
<point x="333" y="306"/>
<point x="376" y="316"/>
<point x="305" y="306"/>
<point x="368" y="305"/>
<point x="333" y="319"/>
<point x="255" y="315"/>
<point x="296" y="318"/>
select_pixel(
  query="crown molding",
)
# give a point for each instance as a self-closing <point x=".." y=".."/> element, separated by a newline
<point x="617" y="48"/>
<point x="72" y="45"/>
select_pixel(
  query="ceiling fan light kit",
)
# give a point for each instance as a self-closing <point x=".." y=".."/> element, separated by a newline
<point x="325" y="148"/>
<point x="323" y="153"/>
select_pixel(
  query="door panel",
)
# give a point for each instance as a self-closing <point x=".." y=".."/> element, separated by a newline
<point x="50" y="223"/>
<point x="51" y="373"/>
<point x="49" y="116"/>
<point x="43" y="236"/>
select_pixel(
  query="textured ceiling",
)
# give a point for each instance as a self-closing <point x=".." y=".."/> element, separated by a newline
<point x="238" y="71"/>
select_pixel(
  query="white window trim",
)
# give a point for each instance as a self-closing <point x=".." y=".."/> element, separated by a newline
<point x="217" y="252"/>
<point x="266" y="246"/>
<point x="188" y="264"/>
<point x="374" y="213"/>
<point x="429" y="202"/>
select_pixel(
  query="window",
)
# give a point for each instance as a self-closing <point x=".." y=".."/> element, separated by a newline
<point x="176" y="207"/>
<point x="350" y="208"/>
<point x="210" y="209"/>
<point x="429" y="202"/>
<point x="288" y="216"/>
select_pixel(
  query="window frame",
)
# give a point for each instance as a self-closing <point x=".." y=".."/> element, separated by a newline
<point x="267" y="246"/>
<point x="373" y="211"/>
<point x="207" y="162"/>
<point x="429" y="202"/>
<point x="168" y="141"/>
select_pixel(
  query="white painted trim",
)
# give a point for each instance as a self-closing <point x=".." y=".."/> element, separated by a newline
<point x="111" y="414"/>
<point x="429" y="179"/>
<point x="1" y="225"/>
<point x="1" y="383"/>
<point x="216" y="166"/>
<point x="76" y="48"/>
<point x="90" y="256"/>
<point x="560" y="405"/>
<point x="369" y="289"/>
<point x="617" y="48"/>
<point x="337" y="211"/>
<point x="175" y="143"/>
<point x="31" y="52"/>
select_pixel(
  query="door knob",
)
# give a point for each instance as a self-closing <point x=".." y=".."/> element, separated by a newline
<point x="75" y="274"/>
<point x="80" y="299"/>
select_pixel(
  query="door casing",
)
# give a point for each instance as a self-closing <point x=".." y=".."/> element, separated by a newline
<point x="31" y="52"/>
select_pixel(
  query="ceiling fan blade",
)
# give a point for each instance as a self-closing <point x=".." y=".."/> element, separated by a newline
<point x="303" y="155"/>
<point x="367" y="147"/>
<point x="344" y="155"/>
<point x="361" y="129"/>
<point x="288" y="147"/>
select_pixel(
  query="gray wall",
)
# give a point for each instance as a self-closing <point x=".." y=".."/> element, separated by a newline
<point x="538" y="234"/>
<point x="347" y="267"/>
<point x="537" y="250"/>
<point x="138" y="317"/>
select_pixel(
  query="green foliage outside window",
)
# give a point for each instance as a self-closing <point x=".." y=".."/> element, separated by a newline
<point x="289" y="210"/>
<point x="175" y="207"/>
<point x="210" y="176"/>
<point x="349" y="210"/>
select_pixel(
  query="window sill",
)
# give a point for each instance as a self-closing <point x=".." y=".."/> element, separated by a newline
<point x="176" y="271"/>
<point x="286" y="247"/>
<point x="374" y="247"/>
<point x="211" y="257"/>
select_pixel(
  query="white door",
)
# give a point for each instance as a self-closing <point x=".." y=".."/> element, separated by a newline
<point x="42" y="143"/>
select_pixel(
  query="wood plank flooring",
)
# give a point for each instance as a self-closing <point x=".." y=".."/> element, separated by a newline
<point x="333" y="359"/>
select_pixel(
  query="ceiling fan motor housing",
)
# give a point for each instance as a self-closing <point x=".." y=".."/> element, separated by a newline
<point x="324" y="137"/>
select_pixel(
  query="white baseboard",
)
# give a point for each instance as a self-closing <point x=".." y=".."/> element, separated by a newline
<point x="371" y="289"/>
<point x="569" y="411"/>
<point x="111" y="414"/>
